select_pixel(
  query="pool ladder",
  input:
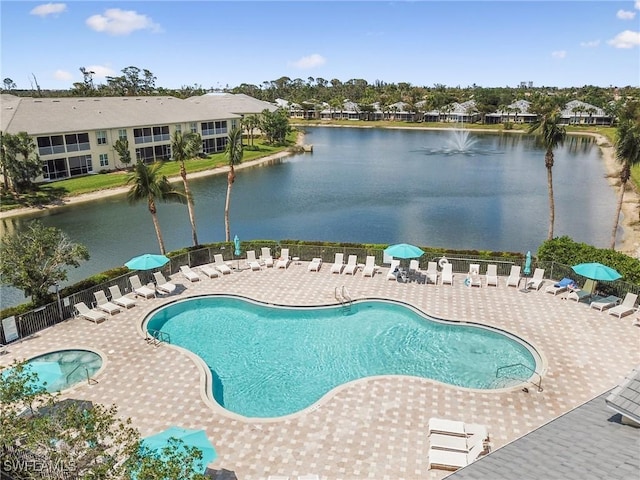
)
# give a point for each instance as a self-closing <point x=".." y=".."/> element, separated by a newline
<point x="89" y="379"/>
<point x="344" y="298"/>
<point x="537" y="385"/>
<point x="157" y="337"/>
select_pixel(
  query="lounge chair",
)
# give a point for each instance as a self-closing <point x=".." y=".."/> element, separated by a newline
<point x="163" y="285"/>
<point x="369" y="266"/>
<point x="393" y="269"/>
<point x="492" y="275"/>
<point x="514" y="276"/>
<point x="218" y="263"/>
<point x="311" y="476"/>
<point x="189" y="274"/>
<point x="604" y="303"/>
<point x="584" y="293"/>
<point x="314" y="265"/>
<point x="560" y="287"/>
<point x="210" y="271"/>
<point x="103" y="303"/>
<point x="474" y="279"/>
<point x="626" y="307"/>
<point x="284" y="260"/>
<point x="447" y="274"/>
<point x="119" y="299"/>
<point x="266" y="257"/>
<point x="338" y="263"/>
<point x="537" y="279"/>
<point x="352" y="265"/>
<point x="475" y="433"/>
<point x="432" y="272"/>
<point x="446" y="427"/>
<point x="252" y="261"/>
<point x="89" y="314"/>
<point x="140" y="289"/>
<point x="452" y="460"/>
<point x="414" y="265"/>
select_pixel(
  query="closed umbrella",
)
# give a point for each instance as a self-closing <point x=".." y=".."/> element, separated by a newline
<point x="148" y="261"/>
<point x="237" y="252"/>
<point x="190" y="438"/>
<point x="527" y="264"/>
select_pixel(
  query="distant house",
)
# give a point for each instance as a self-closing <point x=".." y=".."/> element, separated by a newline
<point x="576" y="112"/>
<point x="517" y="112"/>
<point x="455" y="112"/>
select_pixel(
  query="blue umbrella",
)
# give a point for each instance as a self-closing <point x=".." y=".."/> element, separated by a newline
<point x="596" y="271"/>
<point x="403" y="250"/>
<point x="148" y="261"/>
<point x="190" y="438"/>
<point x="527" y="264"/>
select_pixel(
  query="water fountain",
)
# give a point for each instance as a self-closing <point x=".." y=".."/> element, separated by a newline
<point x="460" y="141"/>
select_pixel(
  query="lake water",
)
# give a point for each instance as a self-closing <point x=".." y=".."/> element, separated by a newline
<point x="367" y="185"/>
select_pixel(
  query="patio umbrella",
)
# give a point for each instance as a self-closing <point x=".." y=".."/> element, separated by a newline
<point x="190" y="438"/>
<point x="238" y="252"/>
<point x="403" y="250"/>
<point x="148" y="261"/>
<point x="527" y="264"/>
<point x="596" y="271"/>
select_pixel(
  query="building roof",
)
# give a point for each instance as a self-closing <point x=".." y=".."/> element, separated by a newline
<point x="586" y="442"/>
<point x="38" y="116"/>
<point x="583" y="110"/>
<point x="625" y="398"/>
<point x="240" y="103"/>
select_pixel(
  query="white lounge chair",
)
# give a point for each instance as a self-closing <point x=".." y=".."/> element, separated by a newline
<point x="369" y="266"/>
<point x="266" y="257"/>
<point x="432" y="272"/>
<point x="311" y="476"/>
<point x="491" y="276"/>
<point x="210" y="271"/>
<point x="626" y="307"/>
<point x="140" y="289"/>
<point x="103" y="303"/>
<point x="252" y="261"/>
<point x="514" y="276"/>
<point x="218" y="263"/>
<point x="452" y="460"/>
<point x="189" y="274"/>
<point x="395" y="264"/>
<point x="338" y="263"/>
<point x="352" y="265"/>
<point x="284" y="260"/>
<point x="474" y="275"/>
<point x="162" y="284"/>
<point x="119" y="299"/>
<point x="446" y="427"/>
<point x="559" y="287"/>
<point x="606" y="302"/>
<point x="584" y="293"/>
<point x="414" y="265"/>
<point x="314" y="265"/>
<point x="537" y="279"/>
<point x="89" y="314"/>
<point x="447" y="274"/>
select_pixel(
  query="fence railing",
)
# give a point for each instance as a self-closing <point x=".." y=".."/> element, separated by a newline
<point x="48" y="315"/>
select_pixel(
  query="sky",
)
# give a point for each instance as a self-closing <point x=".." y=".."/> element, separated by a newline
<point x="222" y="44"/>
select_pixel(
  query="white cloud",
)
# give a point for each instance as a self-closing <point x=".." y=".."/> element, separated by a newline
<point x="626" y="39"/>
<point x="559" y="54"/>
<point x="310" y="61"/>
<point x="637" y="5"/>
<point x="590" y="43"/>
<point x="625" y="15"/>
<point x="48" y="9"/>
<point x="62" y="75"/>
<point x="121" y="22"/>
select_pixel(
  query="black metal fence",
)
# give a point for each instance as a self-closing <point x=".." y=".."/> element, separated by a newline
<point x="46" y="316"/>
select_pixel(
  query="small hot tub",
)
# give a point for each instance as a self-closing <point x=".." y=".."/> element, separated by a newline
<point x="62" y="369"/>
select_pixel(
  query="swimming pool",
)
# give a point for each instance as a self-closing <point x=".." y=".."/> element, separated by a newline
<point x="270" y="361"/>
<point x="62" y="369"/>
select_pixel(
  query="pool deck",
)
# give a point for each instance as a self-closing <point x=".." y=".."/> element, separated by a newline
<point x="369" y="429"/>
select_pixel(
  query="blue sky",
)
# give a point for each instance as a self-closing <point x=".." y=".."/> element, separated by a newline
<point x="221" y="43"/>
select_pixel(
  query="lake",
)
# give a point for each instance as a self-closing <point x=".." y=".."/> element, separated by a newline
<point x="367" y="185"/>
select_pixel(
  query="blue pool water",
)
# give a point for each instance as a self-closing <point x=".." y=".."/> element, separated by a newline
<point x="269" y="361"/>
<point x="64" y="368"/>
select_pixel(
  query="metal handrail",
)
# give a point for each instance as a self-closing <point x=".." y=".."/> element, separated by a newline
<point x="538" y="385"/>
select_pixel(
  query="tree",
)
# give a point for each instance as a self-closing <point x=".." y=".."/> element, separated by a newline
<point x="147" y="184"/>
<point x="184" y="147"/>
<point x="250" y="123"/>
<point x="275" y="126"/>
<point x="35" y="259"/>
<point x="234" y="155"/>
<point x="19" y="160"/>
<point x="122" y="149"/>
<point x="9" y="84"/>
<point x="550" y="134"/>
<point x="628" y="154"/>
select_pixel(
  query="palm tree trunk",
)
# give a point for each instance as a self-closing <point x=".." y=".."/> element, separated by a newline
<point x="616" y="218"/>
<point x="230" y="179"/>
<point x="552" y="207"/>
<point x="156" y="225"/>
<point x="187" y="192"/>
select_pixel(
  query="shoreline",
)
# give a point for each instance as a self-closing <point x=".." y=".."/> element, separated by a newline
<point x="629" y="242"/>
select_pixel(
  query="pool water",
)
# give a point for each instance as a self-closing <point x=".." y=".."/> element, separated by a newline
<point x="64" y="368"/>
<point x="270" y="361"/>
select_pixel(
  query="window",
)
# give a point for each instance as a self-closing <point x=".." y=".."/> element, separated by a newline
<point x="162" y="152"/>
<point x="179" y="128"/>
<point x="145" y="154"/>
<point x="193" y="127"/>
<point x="234" y="124"/>
<point x="142" y="135"/>
<point x="80" y="165"/>
<point x="104" y="159"/>
<point x="76" y="142"/>
<point x="54" y="169"/>
<point x="101" y="135"/>
<point x="122" y="134"/>
<point x="161" y="134"/>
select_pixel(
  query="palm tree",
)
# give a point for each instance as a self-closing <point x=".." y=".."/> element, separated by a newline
<point x="147" y="184"/>
<point x="184" y="147"/>
<point x="627" y="153"/>
<point x="550" y="134"/>
<point x="234" y="155"/>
